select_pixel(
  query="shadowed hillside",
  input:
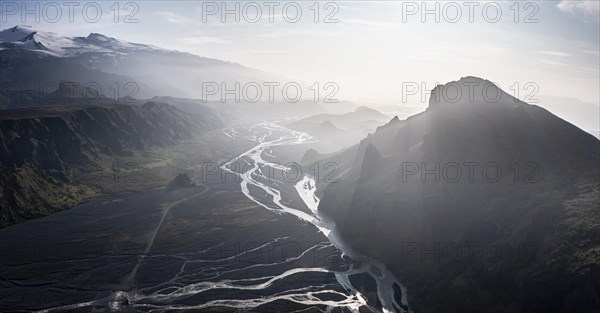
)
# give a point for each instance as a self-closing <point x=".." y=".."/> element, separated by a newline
<point x="51" y="155"/>
<point x="511" y="184"/>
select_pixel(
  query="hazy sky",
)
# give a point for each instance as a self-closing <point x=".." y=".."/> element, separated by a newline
<point x="370" y="48"/>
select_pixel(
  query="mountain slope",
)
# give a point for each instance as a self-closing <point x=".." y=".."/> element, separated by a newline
<point x="51" y="157"/>
<point x="420" y="192"/>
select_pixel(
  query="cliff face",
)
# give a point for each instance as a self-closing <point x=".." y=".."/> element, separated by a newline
<point x="37" y="144"/>
<point x="477" y="205"/>
<point x="70" y="134"/>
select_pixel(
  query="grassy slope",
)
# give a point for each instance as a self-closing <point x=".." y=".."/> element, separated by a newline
<point x="28" y="192"/>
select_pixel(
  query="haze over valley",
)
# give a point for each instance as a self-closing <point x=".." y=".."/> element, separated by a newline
<point x="300" y="157"/>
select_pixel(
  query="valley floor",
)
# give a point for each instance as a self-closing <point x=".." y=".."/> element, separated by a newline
<point x="83" y="257"/>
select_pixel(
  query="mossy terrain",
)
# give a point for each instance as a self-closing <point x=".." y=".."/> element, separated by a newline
<point x="54" y="158"/>
<point x="31" y="191"/>
<point x="28" y="192"/>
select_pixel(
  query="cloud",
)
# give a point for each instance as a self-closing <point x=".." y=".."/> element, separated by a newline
<point x="556" y="53"/>
<point x="172" y="17"/>
<point x="202" y="40"/>
<point x="588" y="9"/>
<point x="292" y="32"/>
<point x="370" y="24"/>
<point x="589" y="69"/>
<point x="266" y="51"/>
<point x="553" y="63"/>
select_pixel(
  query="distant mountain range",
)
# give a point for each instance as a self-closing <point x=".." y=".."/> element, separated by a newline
<point x="350" y="120"/>
<point x="71" y="93"/>
<point x="245" y="113"/>
<point x="341" y="130"/>
<point x="31" y="58"/>
<point x="44" y="69"/>
<point x="581" y="114"/>
<point x="489" y="175"/>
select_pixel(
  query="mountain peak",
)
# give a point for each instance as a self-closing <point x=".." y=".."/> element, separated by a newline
<point x="25" y="37"/>
<point x="21" y="28"/>
<point x="365" y="109"/>
<point x="98" y="36"/>
<point x="368" y="112"/>
<point x="469" y="90"/>
<point x="106" y="61"/>
<point x="16" y="33"/>
<point x="102" y="40"/>
<point x="327" y="124"/>
<point x="473" y="79"/>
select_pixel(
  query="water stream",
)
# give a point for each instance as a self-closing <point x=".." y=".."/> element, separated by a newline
<point x="201" y="281"/>
<point x="269" y="135"/>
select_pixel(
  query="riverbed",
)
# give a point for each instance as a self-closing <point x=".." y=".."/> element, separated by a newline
<point x="240" y="240"/>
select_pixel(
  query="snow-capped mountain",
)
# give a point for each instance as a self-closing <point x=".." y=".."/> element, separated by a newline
<point x="23" y="37"/>
<point x="32" y="58"/>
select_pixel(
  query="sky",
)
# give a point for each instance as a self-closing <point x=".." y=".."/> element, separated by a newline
<point x="370" y="49"/>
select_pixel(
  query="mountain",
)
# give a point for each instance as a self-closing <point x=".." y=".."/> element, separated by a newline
<point x="246" y="113"/>
<point x="38" y="69"/>
<point x="34" y="59"/>
<point x="231" y="114"/>
<point x="582" y="114"/>
<point x="482" y="203"/>
<point x="45" y="151"/>
<point x="342" y="130"/>
<point x="361" y="117"/>
<point x="74" y="134"/>
<point x="311" y="156"/>
<point x="66" y="93"/>
<point x="323" y="130"/>
<point x="181" y="181"/>
<point x="340" y="107"/>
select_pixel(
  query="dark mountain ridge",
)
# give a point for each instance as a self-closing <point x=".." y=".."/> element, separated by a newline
<point x="428" y="183"/>
<point x="72" y="133"/>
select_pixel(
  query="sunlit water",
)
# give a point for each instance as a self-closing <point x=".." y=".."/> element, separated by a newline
<point x="269" y="135"/>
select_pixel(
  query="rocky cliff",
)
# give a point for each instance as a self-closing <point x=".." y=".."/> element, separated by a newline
<point x="41" y="147"/>
<point x="482" y="203"/>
